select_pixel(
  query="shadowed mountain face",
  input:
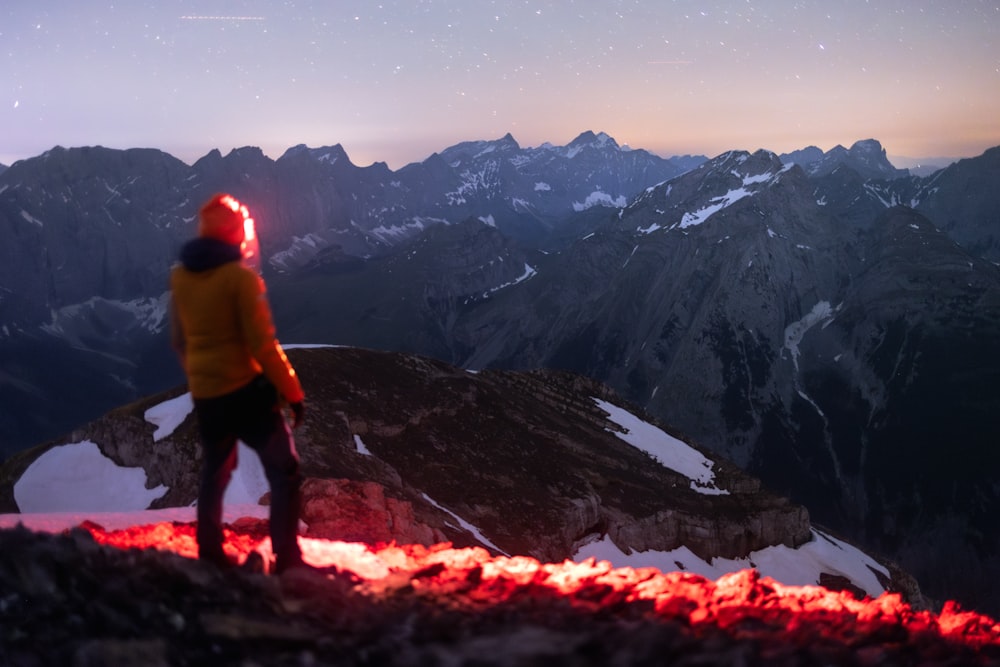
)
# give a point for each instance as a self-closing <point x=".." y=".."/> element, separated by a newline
<point x="840" y="350"/>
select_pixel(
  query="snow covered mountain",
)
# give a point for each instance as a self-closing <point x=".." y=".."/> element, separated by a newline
<point x="92" y="233"/>
<point x="812" y="348"/>
<point x="800" y="326"/>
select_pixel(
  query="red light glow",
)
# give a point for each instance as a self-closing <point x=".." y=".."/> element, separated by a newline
<point x="250" y="246"/>
<point x="248" y="229"/>
<point x="742" y="604"/>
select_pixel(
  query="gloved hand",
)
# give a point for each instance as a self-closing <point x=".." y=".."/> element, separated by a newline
<point x="298" y="413"/>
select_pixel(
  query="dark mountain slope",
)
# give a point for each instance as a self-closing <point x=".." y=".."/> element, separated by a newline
<point x="964" y="202"/>
<point x="851" y="366"/>
<point x="803" y="332"/>
<point x="90" y="234"/>
<point x="85" y="223"/>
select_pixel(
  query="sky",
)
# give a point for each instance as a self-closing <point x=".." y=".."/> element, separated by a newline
<point x="396" y="81"/>
<point x="74" y="482"/>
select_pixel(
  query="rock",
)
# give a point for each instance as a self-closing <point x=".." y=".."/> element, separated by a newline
<point x="360" y="511"/>
<point x="436" y="605"/>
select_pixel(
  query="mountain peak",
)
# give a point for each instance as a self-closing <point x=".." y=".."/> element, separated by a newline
<point x="474" y="149"/>
<point x="867" y="157"/>
<point x="589" y="138"/>
<point x="329" y="154"/>
<point x="253" y="152"/>
<point x="746" y="163"/>
<point x="867" y="148"/>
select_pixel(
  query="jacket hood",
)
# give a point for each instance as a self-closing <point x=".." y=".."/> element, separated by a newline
<point x="204" y="253"/>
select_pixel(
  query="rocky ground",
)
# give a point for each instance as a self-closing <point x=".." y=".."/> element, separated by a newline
<point x="137" y="597"/>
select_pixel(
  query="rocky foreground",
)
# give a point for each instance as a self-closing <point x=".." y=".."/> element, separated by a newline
<point x="137" y="597"/>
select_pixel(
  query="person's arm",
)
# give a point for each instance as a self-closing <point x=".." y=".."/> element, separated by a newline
<point x="258" y="327"/>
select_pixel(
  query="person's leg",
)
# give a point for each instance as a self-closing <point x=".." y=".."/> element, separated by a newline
<point x="273" y="442"/>
<point x="218" y="462"/>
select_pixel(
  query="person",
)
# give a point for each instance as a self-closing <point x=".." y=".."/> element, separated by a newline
<point x="238" y="376"/>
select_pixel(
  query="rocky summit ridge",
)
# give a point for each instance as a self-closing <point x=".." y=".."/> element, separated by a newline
<point x="97" y="597"/>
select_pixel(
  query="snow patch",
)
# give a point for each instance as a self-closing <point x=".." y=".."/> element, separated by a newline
<point x="599" y="198"/>
<point x="465" y="525"/>
<point x="822" y="312"/>
<point x="665" y="449"/>
<point x="79" y="477"/>
<point x="406" y="230"/>
<point x="248" y="482"/>
<point x="361" y="446"/>
<point x="887" y="199"/>
<point x="529" y="271"/>
<point x="801" y="566"/>
<point x="30" y="218"/>
<point x="629" y="259"/>
<point x="715" y="205"/>
<point x="167" y="416"/>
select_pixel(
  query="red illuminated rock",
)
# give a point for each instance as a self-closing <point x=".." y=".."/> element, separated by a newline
<point x="453" y="600"/>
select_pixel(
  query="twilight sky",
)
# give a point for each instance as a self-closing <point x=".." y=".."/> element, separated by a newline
<point x="395" y="81"/>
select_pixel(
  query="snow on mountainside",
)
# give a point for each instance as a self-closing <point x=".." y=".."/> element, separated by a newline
<point x="519" y="189"/>
<point x="778" y="332"/>
<point x="744" y="176"/>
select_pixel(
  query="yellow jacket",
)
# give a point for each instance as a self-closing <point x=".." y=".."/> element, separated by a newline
<point x="221" y="324"/>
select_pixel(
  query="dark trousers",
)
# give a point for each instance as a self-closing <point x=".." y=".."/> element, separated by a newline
<point x="250" y="414"/>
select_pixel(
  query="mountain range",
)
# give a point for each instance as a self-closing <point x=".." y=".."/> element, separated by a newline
<point x="823" y="320"/>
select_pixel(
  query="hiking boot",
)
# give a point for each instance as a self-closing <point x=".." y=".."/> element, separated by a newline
<point x="254" y="563"/>
<point x="221" y="560"/>
<point x="300" y="565"/>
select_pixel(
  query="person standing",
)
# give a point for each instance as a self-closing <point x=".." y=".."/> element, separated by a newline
<point x="238" y="376"/>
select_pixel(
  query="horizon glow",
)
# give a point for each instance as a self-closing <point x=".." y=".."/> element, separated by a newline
<point x="399" y="80"/>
